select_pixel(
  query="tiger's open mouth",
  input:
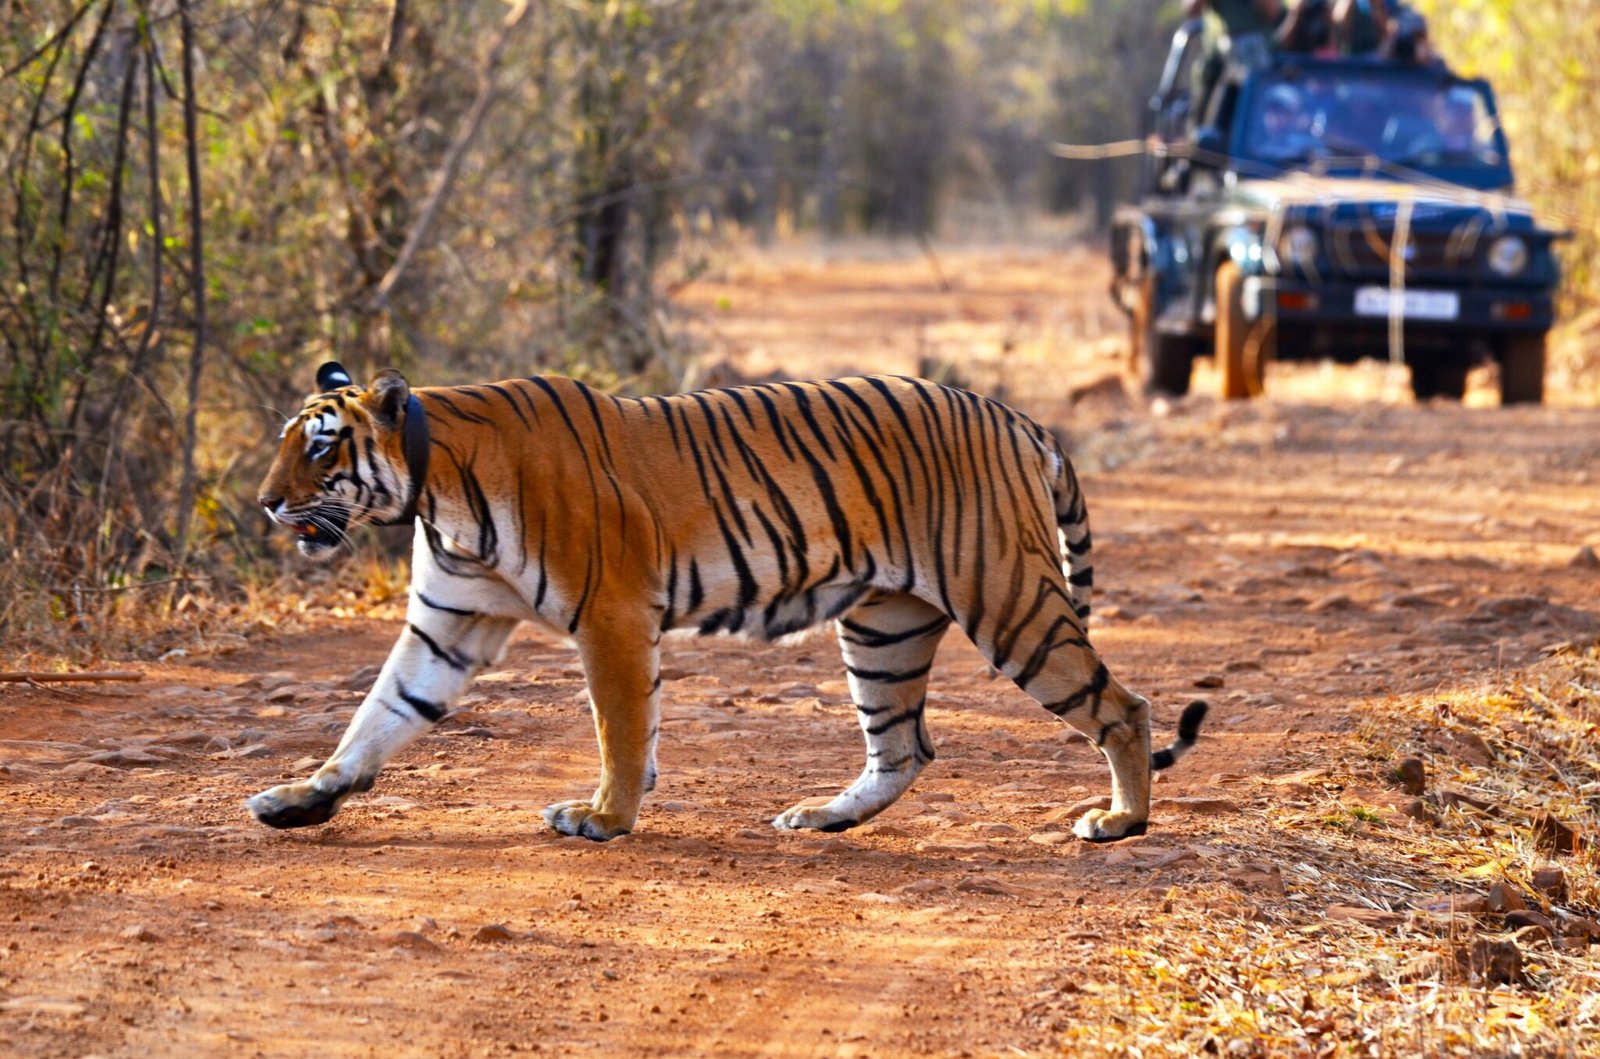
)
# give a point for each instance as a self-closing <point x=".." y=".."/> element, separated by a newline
<point x="318" y="529"/>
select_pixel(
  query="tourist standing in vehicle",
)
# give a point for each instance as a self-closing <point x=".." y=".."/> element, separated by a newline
<point x="1240" y="26"/>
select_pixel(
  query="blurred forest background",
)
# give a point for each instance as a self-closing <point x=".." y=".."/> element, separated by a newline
<point x="203" y="201"/>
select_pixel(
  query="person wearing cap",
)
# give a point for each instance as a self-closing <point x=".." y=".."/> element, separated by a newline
<point x="1239" y="21"/>
<point x="1360" y="26"/>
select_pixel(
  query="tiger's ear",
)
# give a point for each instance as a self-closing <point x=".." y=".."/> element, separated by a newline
<point x="331" y="376"/>
<point x="387" y="395"/>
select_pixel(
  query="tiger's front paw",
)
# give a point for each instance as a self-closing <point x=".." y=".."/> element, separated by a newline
<point x="584" y="820"/>
<point x="302" y="804"/>
<point x="1100" y="825"/>
<point x="814" y="814"/>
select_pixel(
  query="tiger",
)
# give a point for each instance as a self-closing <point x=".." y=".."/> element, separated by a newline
<point x="892" y="506"/>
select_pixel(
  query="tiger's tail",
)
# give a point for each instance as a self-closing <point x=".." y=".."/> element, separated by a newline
<point x="1072" y="523"/>
<point x="1188" y="731"/>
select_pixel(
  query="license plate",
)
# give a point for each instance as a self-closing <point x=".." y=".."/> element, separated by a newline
<point x="1409" y="304"/>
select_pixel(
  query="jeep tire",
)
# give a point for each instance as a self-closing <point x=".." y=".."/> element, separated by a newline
<point x="1243" y="346"/>
<point x="1162" y="363"/>
<point x="1431" y="378"/>
<point x="1521" y="357"/>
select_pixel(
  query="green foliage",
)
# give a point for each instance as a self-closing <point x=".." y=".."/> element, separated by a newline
<point x="1541" y="56"/>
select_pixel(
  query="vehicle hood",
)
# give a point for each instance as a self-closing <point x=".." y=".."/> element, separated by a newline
<point x="1345" y="199"/>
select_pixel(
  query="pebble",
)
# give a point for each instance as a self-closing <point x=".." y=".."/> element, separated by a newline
<point x="1454" y="904"/>
<point x="1496" y="960"/>
<point x="140" y="932"/>
<point x="984" y="886"/>
<point x="252" y="750"/>
<point x="1241" y="665"/>
<point x="1376" y="918"/>
<point x="1412" y="600"/>
<point x="1462" y="745"/>
<point x="1523" y="918"/>
<point x="1052" y="838"/>
<point x="410" y="939"/>
<point x="872" y="898"/>
<point x="993" y="828"/>
<point x="1585" y="559"/>
<point x="955" y="848"/>
<point x="1260" y="878"/>
<point x="1337" y="601"/>
<point x="1555" y="836"/>
<point x="1552" y="882"/>
<point x="1429" y="965"/>
<point x="1501" y="607"/>
<point x="1457" y="800"/>
<point x="1411" y="774"/>
<point x="920" y="886"/>
<point x="1503" y="897"/>
<point x="1209" y="680"/>
<point x="1153" y="858"/>
<point x="493" y="932"/>
<point x="125" y="758"/>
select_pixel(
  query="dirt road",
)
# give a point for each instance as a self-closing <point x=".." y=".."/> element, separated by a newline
<point x="1311" y="564"/>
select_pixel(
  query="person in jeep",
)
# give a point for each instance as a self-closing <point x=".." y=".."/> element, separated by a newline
<point x="1318" y="205"/>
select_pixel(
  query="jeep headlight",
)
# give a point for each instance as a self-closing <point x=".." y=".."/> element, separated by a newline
<point x="1299" y="247"/>
<point x="1508" y="255"/>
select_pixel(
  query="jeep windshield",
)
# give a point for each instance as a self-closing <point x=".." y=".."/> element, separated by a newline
<point x="1391" y="121"/>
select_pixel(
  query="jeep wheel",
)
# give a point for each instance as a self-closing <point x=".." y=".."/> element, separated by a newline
<point x="1522" y="368"/>
<point x="1433" y="379"/>
<point x="1161" y="363"/>
<point x="1243" y="346"/>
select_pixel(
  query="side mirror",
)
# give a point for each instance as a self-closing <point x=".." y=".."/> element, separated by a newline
<point x="1208" y="148"/>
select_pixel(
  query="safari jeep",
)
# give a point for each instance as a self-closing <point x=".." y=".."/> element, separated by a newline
<point x="1331" y="208"/>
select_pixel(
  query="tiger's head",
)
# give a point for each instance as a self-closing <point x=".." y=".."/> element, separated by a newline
<point x="351" y="456"/>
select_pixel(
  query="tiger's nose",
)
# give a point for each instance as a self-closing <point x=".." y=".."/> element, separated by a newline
<point x="271" y="503"/>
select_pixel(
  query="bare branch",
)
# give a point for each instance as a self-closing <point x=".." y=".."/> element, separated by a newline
<point x="446" y="177"/>
<point x="197" y="282"/>
<point x="55" y="39"/>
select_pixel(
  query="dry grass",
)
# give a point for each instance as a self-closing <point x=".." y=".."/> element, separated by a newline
<point x="53" y="623"/>
<point x="1369" y="952"/>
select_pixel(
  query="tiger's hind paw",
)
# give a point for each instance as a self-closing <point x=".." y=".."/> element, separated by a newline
<point x="301" y="804"/>
<point x="583" y="820"/>
<point x="1100" y="825"/>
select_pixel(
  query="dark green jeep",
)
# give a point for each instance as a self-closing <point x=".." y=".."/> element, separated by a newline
<point x="1331" y="208"/>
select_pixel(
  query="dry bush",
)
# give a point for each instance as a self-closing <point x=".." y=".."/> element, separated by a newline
<point x="1334" y="924"/>
<point x="1541" y="56"/>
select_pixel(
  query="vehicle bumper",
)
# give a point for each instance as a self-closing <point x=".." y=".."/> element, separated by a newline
<point x="1331" y="305"/>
